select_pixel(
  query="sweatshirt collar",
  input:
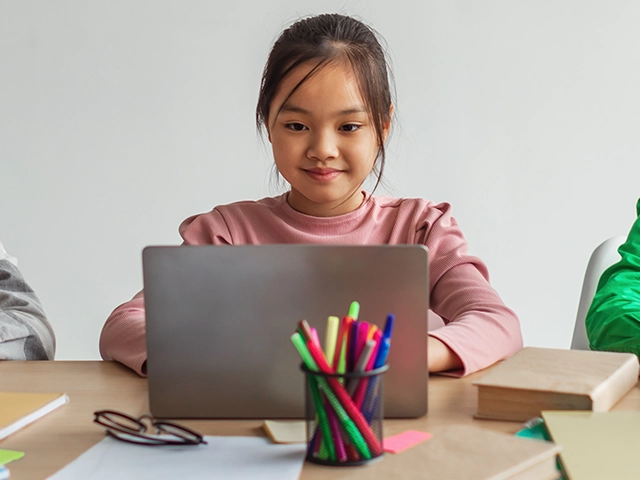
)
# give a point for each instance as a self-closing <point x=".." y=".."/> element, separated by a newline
<point x="337" y="225"/>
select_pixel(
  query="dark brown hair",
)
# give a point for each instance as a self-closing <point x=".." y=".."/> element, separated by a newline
<point x="322" y="39"/>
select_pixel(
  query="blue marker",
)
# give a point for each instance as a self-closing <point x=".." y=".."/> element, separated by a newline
<point x="4" y="472"/>
<point x="383" y="351"/>
<point x="388" y="327"/>
<point x="372" y="392"/>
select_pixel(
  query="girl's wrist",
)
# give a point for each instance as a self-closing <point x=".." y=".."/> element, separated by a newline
<point x="440" y="357"/>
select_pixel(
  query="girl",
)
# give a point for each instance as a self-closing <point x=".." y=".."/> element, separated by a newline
<point x="326" y="107"/>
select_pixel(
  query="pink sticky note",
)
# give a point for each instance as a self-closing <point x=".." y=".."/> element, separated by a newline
<point x="403" y="441"/>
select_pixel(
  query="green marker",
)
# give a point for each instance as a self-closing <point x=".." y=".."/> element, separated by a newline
<point x="348" y="424"/>
<point x="323" y="421"/>
<point x="352" y="430"/>
<point x="307" y="359"/>
<point x="342" y="361"/>
<point x="354" y="310"/>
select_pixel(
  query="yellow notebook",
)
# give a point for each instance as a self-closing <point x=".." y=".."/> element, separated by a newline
<point x="20" y="409"/>
<point x="596" y="445"/>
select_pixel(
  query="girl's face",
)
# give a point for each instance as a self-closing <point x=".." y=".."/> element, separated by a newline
<point x="324" y="143"/>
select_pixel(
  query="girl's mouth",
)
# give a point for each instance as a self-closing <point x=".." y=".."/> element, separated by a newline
<point x="323" y="174"/>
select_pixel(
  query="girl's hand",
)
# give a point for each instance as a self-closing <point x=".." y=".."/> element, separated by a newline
<point x="441" y="357"/>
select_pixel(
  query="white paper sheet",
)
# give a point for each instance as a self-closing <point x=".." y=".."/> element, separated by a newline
<point x="223" y="457"/>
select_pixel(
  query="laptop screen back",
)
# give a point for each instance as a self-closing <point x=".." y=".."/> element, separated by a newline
<point x="220" y="318"/>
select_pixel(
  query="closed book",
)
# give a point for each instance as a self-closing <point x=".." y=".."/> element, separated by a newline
<point x="469" y="452"/>
<point x="596" y="445"/>
<point x="536" y="379"/>
<point x="20" y="409"/>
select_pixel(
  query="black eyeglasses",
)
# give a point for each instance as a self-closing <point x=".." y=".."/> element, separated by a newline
<point x="145" y="430"/>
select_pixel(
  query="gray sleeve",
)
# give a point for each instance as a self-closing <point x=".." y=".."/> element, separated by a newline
<point x="25" y="332"/>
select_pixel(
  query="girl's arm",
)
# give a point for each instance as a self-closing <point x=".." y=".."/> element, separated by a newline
<point x="479" y="328"/>
<point x="441" y="358"/>
<point x="25" y="332"/>
<point x="123" y="336"/>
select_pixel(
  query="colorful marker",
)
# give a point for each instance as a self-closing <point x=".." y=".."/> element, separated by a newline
<point x="344" y="412"/>
<point x="354" y="310"/>
<point x="331" y="336"/>
<point x="360" y="367"/>
<point x="339" y="359"/>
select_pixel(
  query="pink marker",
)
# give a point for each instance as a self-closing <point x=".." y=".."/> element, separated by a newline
<point x="377" y="337"/>
<point x="361" y="340"/>
<point x="359" y="394"/>
<point x="314" y="334"/>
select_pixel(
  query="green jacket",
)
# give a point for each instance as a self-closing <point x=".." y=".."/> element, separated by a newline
<point x="613" y="320"/>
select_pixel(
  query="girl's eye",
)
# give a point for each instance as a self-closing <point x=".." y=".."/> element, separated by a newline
<point x="296" y="127"/>
<point x="349" y="127"/>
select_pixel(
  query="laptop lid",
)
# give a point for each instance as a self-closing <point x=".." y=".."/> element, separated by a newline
<point x="219" y="321"/>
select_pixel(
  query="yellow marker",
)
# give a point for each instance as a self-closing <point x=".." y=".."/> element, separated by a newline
<point x="372" y="332"/>
<point x="330" y="338"/>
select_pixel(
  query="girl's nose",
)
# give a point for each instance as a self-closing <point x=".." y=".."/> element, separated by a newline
<point x="323" y="146"/>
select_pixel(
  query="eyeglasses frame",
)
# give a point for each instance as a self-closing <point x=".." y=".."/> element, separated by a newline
<point x="185" y="435"/>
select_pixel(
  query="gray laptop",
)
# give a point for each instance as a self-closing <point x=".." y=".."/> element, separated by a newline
<point x="219" y="321"/>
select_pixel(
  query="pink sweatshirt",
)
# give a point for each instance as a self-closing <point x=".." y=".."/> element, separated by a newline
<point x="479" y="328"/>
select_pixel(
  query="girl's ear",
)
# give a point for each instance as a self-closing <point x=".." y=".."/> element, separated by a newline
<point x="387" y="125"/>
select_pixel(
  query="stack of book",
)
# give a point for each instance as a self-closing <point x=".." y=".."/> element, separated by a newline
<point x="537" y="379"/>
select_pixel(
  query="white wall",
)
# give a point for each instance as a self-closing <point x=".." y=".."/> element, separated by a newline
<point x="118" y="119"/>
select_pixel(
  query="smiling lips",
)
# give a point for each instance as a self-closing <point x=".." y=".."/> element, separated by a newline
<point x="323" y="174"/>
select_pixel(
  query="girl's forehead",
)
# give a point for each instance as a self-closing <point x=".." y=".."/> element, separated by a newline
<point x="311" y="76"/>
<point x="340" y="66"/>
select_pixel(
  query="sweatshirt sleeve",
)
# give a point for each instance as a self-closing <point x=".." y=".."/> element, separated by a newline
<point x="479" y="327"/>
<point x="25" y="332"/>
<point x="123" y="336"/>
<point x="613" y="319"/>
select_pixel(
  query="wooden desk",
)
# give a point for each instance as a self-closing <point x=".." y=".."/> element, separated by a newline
<point x="61" y="436"/>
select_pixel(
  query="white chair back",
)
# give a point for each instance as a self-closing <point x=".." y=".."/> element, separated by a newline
<point x="602" y="257"/>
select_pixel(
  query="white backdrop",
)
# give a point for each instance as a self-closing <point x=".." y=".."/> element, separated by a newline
<point x="119" y="119"/>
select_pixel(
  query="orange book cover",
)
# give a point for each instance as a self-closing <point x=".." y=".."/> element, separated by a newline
<point x="20" y="409"/>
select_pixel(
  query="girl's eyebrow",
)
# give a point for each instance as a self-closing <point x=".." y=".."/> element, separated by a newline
<point x="289" y="108"/>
